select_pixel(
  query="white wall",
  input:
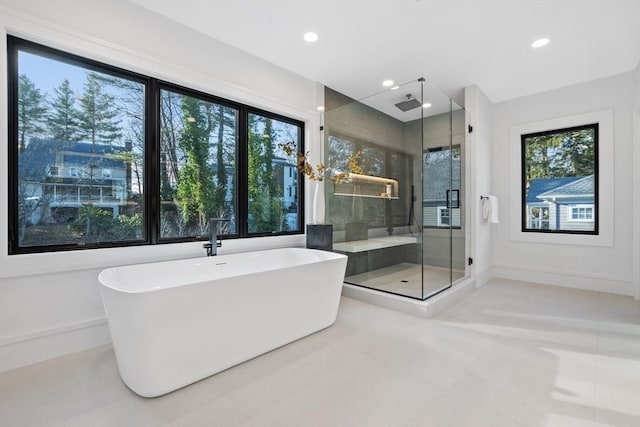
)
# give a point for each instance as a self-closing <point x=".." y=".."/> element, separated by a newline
<point x="49" y="303"/>
<point x="603" y="263"/>
<point x="479" y="165"/>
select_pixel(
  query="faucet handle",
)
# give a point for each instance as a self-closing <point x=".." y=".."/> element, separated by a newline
<point x="209" y="248"/>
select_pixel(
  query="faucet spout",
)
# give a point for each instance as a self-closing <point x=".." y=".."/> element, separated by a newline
<point x="214" y="236"/>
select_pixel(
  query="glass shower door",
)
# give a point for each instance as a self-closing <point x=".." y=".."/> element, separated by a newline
<point x="396" y="222"/>
<point x="443" y="169"/>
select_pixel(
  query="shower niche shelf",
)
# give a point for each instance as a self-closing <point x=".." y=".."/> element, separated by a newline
<point x="367" y="186"/>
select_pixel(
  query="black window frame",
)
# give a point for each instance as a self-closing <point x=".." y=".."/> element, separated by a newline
<point x="244" y="159"/>
<point x="523" y="184"/>
<point x="153" y="87"/>
<point x="202" y="96"/>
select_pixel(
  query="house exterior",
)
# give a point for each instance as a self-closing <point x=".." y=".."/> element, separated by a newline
<point x="286" y="176"/>
<point x="561" y="204"/>
<point x="58" y="177"/>
<point x="436" y="186"/>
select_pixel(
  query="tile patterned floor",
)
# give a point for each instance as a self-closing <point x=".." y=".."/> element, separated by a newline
<point x="512" y="354"/>
<point x="406" y="279"/>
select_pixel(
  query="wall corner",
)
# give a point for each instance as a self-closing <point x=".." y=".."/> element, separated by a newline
<point x="479" y="110"/>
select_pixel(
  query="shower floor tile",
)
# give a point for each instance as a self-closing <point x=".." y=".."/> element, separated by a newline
<point x="405" y="279"/>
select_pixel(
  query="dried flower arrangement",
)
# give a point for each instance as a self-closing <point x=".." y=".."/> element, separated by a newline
<point x="321" y="171"/>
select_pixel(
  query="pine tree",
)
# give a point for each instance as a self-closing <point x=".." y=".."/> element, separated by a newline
<point x="99" y="121"/>
<point x="31" y="111"/>
<point x="63" y="117"/>
<point x="563" y="154"/>
<point x="130" y="104"/>
<point x="578" y="152"/>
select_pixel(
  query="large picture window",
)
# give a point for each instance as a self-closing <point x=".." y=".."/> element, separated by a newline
<point x="273" y="201"/>
<point x="560" y="181"/>
<point x="197" y="164"/>
<point x="102" y="157"/>
<point x="78" y="145"/>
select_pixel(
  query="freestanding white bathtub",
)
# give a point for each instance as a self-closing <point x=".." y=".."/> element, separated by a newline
<point x="176" y="322"/>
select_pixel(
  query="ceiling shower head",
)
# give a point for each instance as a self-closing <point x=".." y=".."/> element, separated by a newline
<point x="409" y="104"/>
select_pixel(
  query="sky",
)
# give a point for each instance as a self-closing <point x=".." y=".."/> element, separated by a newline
<point x="47" y="74"/>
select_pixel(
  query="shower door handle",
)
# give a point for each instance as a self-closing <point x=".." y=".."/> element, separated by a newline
<point x="455" y="202"/>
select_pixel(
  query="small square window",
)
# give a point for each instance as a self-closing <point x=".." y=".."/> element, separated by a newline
<point x="444" y="216"/>
<point x="581" y="213"/>
<point x="560" y="180"/>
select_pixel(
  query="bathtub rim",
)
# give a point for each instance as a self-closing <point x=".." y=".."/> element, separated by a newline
<point x="104" y="282"/>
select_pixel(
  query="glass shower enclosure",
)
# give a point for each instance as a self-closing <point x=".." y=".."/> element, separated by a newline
<point x="400" y="221"/>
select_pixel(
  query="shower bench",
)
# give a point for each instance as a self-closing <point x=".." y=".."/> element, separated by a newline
<point x="377" y="252"/>
<point x="374" y="243"/>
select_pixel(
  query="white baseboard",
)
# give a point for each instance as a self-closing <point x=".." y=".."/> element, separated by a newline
<point x="36" y="347"/>
<point x="484" y="276"/>
<point x="567" y="280"/>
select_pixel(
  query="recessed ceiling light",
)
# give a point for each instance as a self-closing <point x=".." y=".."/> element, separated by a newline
<point x="395" y="87"/>
<point x="387" y="83"/>
<point x="310" y="36"/>
<point x="426" y="105"/>
<point x="539" y="42"/>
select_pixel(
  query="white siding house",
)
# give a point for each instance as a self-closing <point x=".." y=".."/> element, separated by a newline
<point x="62" y="176"/>
<point x="561" y="204"/>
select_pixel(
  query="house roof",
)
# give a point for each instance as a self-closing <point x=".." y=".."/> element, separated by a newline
<point x="41" y="153"/>
<point x="436" y="179"/>
<point x="543" y="188"/>
<point x="579" y="187"/>
<point x="282" y="160"/>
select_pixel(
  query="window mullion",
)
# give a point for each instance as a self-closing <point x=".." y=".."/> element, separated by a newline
<point x="152" y="161"/>
<point x="242" y="146"/>
<point x="12" y="88"/>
